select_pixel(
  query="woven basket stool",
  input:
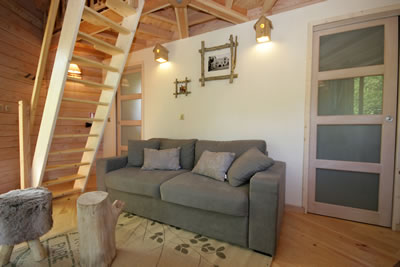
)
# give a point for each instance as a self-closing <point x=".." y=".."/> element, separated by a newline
<point x="25" y="215"/>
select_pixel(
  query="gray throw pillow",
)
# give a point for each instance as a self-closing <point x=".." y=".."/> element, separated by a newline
<point x="166" y="159"/>
<point x="214" y="164"/>
<point x="249" y="163"/>
<point x="136" y="151"/>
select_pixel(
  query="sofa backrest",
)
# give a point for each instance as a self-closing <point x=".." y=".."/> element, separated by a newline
<point x="238" y="147"/>
<point x="187" y="150"/>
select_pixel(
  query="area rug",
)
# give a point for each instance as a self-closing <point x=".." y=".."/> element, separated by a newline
<point x="146" y="243"/>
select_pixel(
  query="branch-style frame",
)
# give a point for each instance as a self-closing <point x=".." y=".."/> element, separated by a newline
<point x="233" y="47"/>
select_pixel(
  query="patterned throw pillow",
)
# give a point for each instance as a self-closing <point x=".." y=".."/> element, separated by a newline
<point x="214" y="164"/>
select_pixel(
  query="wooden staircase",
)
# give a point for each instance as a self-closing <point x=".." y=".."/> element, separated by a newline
<point x="76" y="10"/>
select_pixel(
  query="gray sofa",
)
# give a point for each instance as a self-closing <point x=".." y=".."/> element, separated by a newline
<point x="249" y="215"/>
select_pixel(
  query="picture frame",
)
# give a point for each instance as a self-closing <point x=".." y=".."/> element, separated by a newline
<point x="220" y="61"/>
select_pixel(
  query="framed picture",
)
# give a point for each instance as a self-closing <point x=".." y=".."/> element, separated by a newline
<point x="218" y="62"/>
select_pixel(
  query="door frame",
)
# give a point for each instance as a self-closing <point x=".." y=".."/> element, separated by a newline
<point x="362" y="16"/>
<point x="133" y="67"/>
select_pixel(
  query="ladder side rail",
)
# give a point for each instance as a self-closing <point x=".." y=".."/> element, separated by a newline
<point x="102" y="112"/>
<point x="55" y="92"/>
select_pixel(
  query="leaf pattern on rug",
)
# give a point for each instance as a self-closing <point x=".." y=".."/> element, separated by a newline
<point x="143" y="242"/>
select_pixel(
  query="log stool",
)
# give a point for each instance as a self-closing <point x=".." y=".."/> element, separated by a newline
<point x="97" y="219"/>
<point x="25" y="215"/>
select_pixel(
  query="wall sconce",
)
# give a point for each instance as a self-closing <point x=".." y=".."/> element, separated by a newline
<point x="74" y="71"/>
<point x="160" y="53"/>
<point x="263" y="28"/>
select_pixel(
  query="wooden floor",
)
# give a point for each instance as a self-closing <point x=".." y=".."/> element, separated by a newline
<point x="305" y="240"/>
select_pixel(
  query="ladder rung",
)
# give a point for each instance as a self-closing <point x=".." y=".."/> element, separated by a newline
<point x="97" y="19"/>
<point x="85" y="101"/>
<point x="90" y="84"/>
<point x="64" y="179"/>
<point x="74" y="135"/>
<point x="70" y="151"/>
<point x="122" y="8"/>
<point x="66" y="166"/>
<point x="91" y="63"/>
<point x="66" y="193"/>
<point x="100" y="44"/>
<point x="79" y="119"/>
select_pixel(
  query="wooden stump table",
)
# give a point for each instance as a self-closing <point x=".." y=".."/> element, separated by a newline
<point x="25" y="215"/>
<point x="97" y="219"/>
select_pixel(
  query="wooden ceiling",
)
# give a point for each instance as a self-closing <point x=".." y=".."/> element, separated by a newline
<point x="168" y="20"/>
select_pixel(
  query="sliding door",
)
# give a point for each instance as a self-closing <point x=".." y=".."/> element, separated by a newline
<point x="353" y="121"/>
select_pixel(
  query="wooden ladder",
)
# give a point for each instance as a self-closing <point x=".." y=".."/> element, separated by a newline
<point x="76" y="10"/>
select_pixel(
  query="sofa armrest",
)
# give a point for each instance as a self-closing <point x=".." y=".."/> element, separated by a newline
<point x="106" y="165"/>
<point x="267" y="202"/>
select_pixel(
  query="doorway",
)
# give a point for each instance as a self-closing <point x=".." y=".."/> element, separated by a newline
<point x="353" y="121"/>
<point x="130" y="108"/>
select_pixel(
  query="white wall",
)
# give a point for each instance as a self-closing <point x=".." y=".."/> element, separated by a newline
<point x="267" y="101"/>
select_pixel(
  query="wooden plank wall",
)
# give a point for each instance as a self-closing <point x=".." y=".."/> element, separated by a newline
<point x="19" y="54"/>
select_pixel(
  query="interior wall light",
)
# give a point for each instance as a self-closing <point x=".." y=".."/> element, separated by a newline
<point x="263" y="28"/>
<point x="160" y="53"/>
<point x="74" y="71"/>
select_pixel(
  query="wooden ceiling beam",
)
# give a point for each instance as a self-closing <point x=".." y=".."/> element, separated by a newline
<point x="161" y="18"/>
<point x="154" y="5"/>
<point x="281" y="6"/>
<point x="155" y="31"/>
<point x="218" y="10"/>
<point x="268" y="5"/>
<point x="229" y="3"/>
<point x="182" y="20"/>
<point x="199" y="18"/>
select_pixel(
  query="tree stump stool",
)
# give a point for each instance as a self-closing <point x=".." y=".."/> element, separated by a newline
<point x="25" y="215"/>
<point x="97" y="219"/>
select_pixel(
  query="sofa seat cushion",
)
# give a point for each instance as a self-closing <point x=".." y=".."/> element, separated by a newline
<point x="201" y="192"/>
<point x="138" y="181"/>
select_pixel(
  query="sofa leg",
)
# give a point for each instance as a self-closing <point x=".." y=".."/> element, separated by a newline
<point x="263" y="253"/>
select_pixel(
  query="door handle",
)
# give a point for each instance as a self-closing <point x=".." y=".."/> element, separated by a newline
<point x="389" y="118"/>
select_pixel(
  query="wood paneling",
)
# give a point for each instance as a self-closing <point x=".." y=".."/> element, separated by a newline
<point x="20" y="44"/>
<point x="19" y="52"/>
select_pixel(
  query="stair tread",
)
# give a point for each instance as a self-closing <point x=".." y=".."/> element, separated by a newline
<point x="66" y="166"/>
<point x="95" y="18"/>
<point x="91" y="63"/>
<point x="120" y="7"/>
<point x="84" y="101"/>
<point x="90" y="83"/>
<point x="69" y="151"/>
<point x="66" y="192"/>
<point x="79" y="119"/>
<point x="100" y="44"/>
<point x="63" y="179"/>
<point x="74" y="135"/>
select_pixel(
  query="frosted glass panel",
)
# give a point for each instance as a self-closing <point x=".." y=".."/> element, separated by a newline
<point x="131" y="83"/>
<point x="354" y="96"/>
<point x="345" y="188"/>
<point x="131" y="110"/>
<point x="360" y="143"/>
<point x="358" y="48"/>
<point x="130" y="133"/>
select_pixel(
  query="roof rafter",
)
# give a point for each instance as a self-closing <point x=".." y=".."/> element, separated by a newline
<point x="229" y="3"/>
<point x="154" y="5"/>
<point x="268" y="5"/>
<point x="219" y="11"/>
<point x="182" y="19"/>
